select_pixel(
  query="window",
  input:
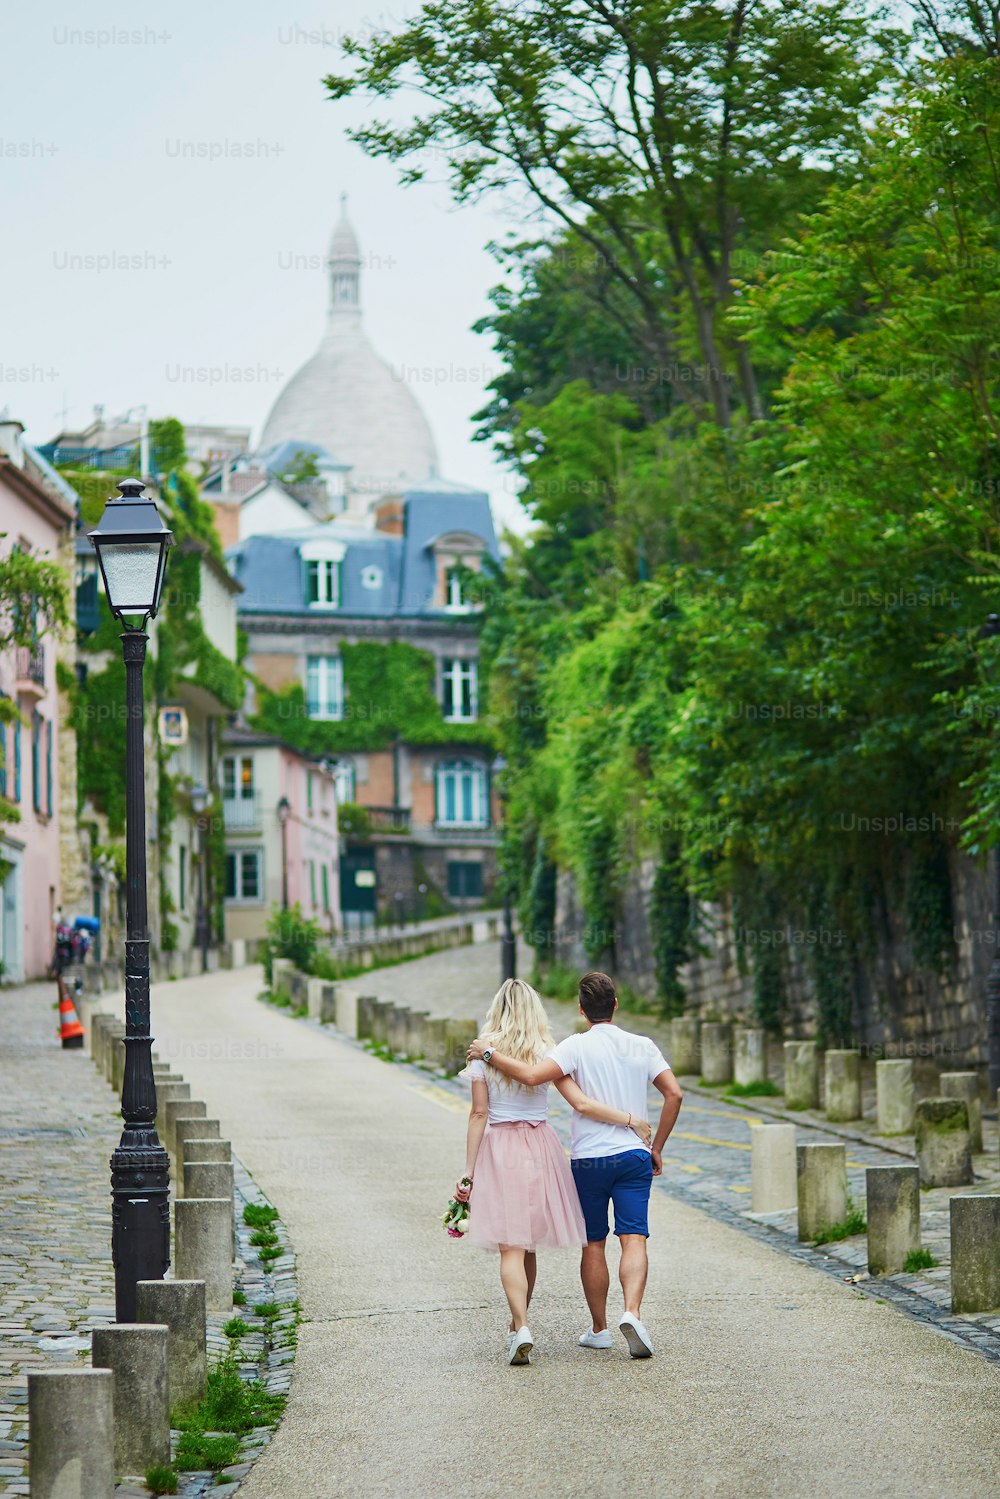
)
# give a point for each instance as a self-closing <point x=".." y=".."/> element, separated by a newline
<point x="465" y="880"/>
<point x="323" y="584"/>
<point x="243" y="876"/>
<point x="36" y="760"/>
<point x="48" y="768"/>
<point x="3" y="754"/>
<point x="237" y="778"/>
<point x="17" y="760"/>
<point x="454" y="592"/>
<point x="343" y="780"/>
<point x="182" y="878"/>
<point x="461" y="690"/>
<point x="461" y="795"/>
<point x="325" y="882"/>
<point x="324" y="687"/>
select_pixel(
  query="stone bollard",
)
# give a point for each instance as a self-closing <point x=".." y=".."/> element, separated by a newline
<point x="801" y="1075"/>
<point x="98" y="1039"/>
<point x="180" y="1306"/>
<point x="435" y="1042"/>
<point x="211" y="1179"/>
<point x="966" y="1085"/>
<point x="822" y="1187"/>
<point x="180" y="1108"/>
<point x="975" y="1253"/>
<point x="843" y="1085"/>
<point x="459" y="1036"/>
<point x="314" y="992"/>
<point x="416" y="1036"/>
<point x="716" y="1051"/>
<point x="365" y="1017"/>
<point x="203" y="1248"/>
<point x="380" y="1021"/>
<point x="773" y="1168"/>
<point x="136" y="1354"/>
<point x="191" y="1129"/>
<point x="685" y="1046"/>
<point x="71" y="1434"/>
<point x="176" y="1089"/>
<point x="346" y="1011"/>
<point x="281" y="970"/>
<point x="943" y="1152"/>
<point x="895" y="1098"/>
<point x="113" y="1037"/>
<point x="328" y="1005"/>
<point x="398" y="1019"/>
<point x="117" y="1061"/>
<point x="191" y="1150"/>
<point x="749" y="1056"/>
<point x="893" y="1212"/>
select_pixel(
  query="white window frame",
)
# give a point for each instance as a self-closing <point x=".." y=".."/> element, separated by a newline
<point x="328" y="674"/>
<point x="455" y="601"/>
<point x="457" y="672"/>
<point x="234" y="788"/>
<point x="327" y="583"/>
<point x="344" y="782"/>
<point x="239" y="897"/>
<point x="464" y="775"/>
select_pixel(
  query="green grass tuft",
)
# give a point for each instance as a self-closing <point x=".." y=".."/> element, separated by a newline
<point x="764" y="1089"/>
<point x="268" y="1310"/>
<point x="239" y="1296"/>
<point x="259" y="1215"/>
<point x="235" y="1327"/>
<point x="919" y="1259"/>
<point x="196" y="1451"/>
<point x="161" y="1480"/>
<point x="854" y="1223"/>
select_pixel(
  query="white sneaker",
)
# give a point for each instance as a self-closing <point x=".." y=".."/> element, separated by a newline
<point x="521" y="1344"/>
<point x="640" y="1344"/>
<point x="592" y="1339"/>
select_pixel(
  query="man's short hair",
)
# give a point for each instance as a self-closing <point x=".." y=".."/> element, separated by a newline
<point x="597" y="996"/>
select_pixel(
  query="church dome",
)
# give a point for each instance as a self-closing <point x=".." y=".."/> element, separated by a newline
<point x="348" y="399"/>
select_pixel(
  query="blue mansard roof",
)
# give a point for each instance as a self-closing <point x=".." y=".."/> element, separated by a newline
<point x="381" y="575"/>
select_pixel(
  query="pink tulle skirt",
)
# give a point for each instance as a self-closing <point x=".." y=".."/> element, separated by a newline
<point x="524" y="1192"/>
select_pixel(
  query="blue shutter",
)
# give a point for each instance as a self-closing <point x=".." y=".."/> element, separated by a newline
<point x="48" y="768"/>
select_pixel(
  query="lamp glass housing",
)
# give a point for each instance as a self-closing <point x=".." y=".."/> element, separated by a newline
<point x="131" y="543"/>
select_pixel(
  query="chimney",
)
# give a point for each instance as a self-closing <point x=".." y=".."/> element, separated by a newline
<point x="11" y="440"/>
<point x="389" y="516"/>
<point x="227" y="522"/>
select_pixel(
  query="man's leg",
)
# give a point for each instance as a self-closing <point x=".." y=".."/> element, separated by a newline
<point x="633" y="1270"/>
<point x="596" y="1282"/>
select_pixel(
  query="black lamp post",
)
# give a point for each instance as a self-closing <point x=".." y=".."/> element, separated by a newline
<point x="199" y="803"/>
<point x="508" y="942"/>
<point x="989" y="630"/>
<point x="131" y="542"/>
<point x="284" y="810"/>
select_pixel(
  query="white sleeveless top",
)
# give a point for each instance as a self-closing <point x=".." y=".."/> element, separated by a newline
<point x="512" y="1103"/>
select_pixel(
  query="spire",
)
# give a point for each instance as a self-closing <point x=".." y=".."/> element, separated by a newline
<point x="343" y="261"/>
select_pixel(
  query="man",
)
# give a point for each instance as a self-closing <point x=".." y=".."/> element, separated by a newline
<point x="616" y="1068"/>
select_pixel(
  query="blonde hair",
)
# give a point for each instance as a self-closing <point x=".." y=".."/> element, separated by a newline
<point x="517" y="1025"/>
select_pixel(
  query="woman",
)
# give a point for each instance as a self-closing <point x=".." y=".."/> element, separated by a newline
<point x="520" y="1188"/>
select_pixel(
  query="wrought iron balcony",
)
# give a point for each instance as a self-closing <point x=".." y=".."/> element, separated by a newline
<point x="31" y="670"/>
<point x="240" y="812"/>
<point x="388" y="819"/>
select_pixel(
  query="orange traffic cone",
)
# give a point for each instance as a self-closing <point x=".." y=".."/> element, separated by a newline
<point x="70" y="1029"/>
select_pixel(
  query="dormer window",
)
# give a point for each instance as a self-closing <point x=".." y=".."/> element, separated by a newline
<point x="323" y="584"/>
<point x="455" y="599"/>
<point x="321" y="562"/>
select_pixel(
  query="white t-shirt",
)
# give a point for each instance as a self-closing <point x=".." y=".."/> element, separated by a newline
<point x="510" y="1103"/>
<point x="615" y="1067"/>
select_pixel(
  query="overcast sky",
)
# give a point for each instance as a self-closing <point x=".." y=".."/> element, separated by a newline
<point x="198" y="147"/>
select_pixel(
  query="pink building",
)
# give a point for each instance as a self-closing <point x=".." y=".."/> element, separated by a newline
<point x="280" y="811"/>
<point x="37" y="518"/>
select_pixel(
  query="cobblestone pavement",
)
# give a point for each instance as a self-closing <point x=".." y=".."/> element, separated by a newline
<point x="707" y="1162"/>
<point x="59" y="1122"/>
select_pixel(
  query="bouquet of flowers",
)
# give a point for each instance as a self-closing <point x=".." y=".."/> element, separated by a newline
<point x="456" y="1219"/>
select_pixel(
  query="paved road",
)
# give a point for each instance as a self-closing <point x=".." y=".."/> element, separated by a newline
<point x="770" y="1379"/>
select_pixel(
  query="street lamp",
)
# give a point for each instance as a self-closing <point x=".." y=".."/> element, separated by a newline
<point x="508" y="942"/>
<point x="991" y="629"/>
<point x="284" y="811"/>
<point x="199" y="803"/>
<point x="131" y="542"/>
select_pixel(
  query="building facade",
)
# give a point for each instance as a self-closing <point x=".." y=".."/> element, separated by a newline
<point x="36" y="769"/>
<point x="282" y="848"/>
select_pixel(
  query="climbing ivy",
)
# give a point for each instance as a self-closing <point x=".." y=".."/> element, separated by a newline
<point x="670" y="920"/>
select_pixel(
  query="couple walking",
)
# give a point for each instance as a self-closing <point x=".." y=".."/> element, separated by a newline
<point x="520" y="1191"/>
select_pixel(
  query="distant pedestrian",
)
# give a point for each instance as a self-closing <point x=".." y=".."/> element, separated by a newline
<point x="520" y="1190"/>
<point x="617" y="1068"/>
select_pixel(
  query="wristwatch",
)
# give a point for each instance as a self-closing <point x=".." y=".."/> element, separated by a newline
<point x="487" y="1053"/>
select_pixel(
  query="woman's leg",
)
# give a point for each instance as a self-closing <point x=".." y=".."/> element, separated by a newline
<point x="530" y="1272"/>
<point x="514" y="1279"/>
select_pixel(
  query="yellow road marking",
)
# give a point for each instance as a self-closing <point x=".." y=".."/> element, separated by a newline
<point x="678" y="1134"/>
<point x="441" y="1097"/>
<point x="671" y="1160"/>
<point x="739" y="1189"/>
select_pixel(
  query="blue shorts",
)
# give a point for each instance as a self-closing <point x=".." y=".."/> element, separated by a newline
<point x="622" y="1179"/>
